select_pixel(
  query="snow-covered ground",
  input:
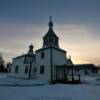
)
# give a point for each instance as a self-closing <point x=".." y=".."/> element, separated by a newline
<point x="7" y="81"/>
<point x="51" y="92"/>
<point x="91" y="80"/>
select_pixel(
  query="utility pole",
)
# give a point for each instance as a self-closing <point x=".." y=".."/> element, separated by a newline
<point x="30" y="68"/>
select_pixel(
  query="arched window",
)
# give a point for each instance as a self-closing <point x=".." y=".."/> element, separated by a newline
<point x="26" y="69"/>
<point x="16" y="68"/>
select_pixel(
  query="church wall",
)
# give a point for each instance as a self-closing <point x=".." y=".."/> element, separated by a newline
<point x="17" y="61"/>
<point x="21" y="70"/>
<point x="46" y="63"/>
<point x="58" y="58"/>
<point x="33" y="71"/>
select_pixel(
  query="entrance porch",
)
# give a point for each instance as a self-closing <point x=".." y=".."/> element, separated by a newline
<point x="66" y="74"/>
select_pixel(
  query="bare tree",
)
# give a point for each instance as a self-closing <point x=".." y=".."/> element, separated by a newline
<point x="2" y="67"/>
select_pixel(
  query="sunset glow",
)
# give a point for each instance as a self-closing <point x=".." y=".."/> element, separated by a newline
<point x="76" y="24"/>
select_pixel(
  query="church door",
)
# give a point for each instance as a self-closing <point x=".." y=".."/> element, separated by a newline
<point x="60" y="74"/>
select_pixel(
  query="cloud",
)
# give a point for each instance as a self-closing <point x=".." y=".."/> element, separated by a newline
<point x="75" y="39"/>
<point x="79" y="42"/>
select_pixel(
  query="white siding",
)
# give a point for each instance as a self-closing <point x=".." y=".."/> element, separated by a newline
<point x="43" y="61"/>
<point x="58" y="58"/>
<point x="33" y="74"/>
<point x="21" y="71"/>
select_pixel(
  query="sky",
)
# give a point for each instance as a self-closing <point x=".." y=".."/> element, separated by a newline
<point x="76" y="23"/>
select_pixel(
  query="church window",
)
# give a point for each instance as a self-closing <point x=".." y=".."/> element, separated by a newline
<point x="42" y="69"/>
<point x="26" y="69"/>
<point x="42" y="55"/>
<point x="47" y="40"/>
<point x="16" y="69"/>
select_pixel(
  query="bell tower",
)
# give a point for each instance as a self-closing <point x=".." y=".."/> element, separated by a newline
<point x="50" y="39"/>
<point x="31" y="49"/>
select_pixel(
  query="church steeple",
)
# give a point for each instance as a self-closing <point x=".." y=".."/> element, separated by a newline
<point x="50" y="22"/>
<point x="50" y="39"/>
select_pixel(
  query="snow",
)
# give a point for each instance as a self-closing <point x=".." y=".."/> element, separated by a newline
<point x="91" y="80"/>
<point x="7" y="81"/>
<point x="50" y="92"/>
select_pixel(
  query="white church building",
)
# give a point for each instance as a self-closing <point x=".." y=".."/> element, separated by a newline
<point x="46" y="63"/>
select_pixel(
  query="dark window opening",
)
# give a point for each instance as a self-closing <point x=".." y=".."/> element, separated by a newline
<point x="42" y="55"/>
<point x="16" y="69"/>
<point x="86" y="72"/>
<point x="26" y="69"/>
<point x="42" y="69"/>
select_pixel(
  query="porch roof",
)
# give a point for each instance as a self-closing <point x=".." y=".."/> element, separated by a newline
<point x="64" y="65"/>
